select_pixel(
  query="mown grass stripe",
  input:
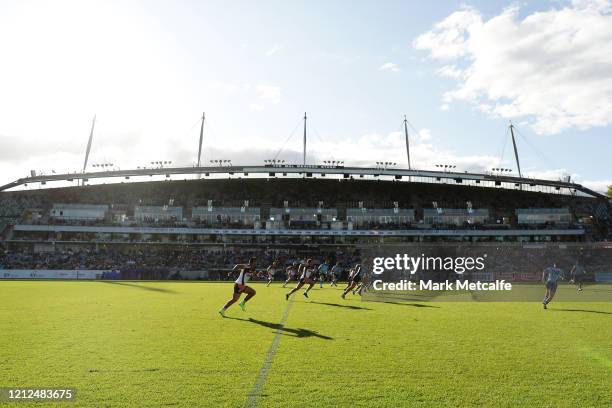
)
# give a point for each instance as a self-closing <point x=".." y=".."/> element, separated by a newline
<point x="255" y="394"/>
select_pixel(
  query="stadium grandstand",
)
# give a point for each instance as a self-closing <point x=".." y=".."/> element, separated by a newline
<point x="198" y="221"/>
<point x="200" y="228"/>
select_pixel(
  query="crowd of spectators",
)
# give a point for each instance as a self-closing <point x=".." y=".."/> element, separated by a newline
<point x="169" y="261"/>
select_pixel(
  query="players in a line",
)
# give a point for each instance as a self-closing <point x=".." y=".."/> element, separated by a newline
<point x="291" y="272"/>
<point x="307" y="276"/>
<point x="271" y="271"/>
<point x="551" y="276"/>
<point x="240" y="285"/>
<point x="323" y="272"/>
<point x="577" y="275"/>
<point x="354" y="279"/>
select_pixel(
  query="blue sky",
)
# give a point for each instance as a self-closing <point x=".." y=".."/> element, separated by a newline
<point x="459" y="71"/>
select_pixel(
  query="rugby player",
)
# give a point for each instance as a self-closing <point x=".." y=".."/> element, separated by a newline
<point x="291" y="272"/>
<point x="550" y="276"/>
<point x="240" y="285"/>
<point x="577" y="275"/>
<point x="323" y="271"/>
<point x="354" y="280"/>
<point x="271" y="272"/>
<point x="307" y="277"/>
<point x="336" y="271"/>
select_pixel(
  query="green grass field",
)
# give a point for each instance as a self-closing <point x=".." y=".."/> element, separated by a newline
<point x="155" y="344"/>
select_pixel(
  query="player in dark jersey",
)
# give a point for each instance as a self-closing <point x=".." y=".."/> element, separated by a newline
<point x="245" y="271"/>
<point x="551" y="276"/>
<point x="307" y="276"/>
<point x="291" y="272"/>
<point x="577" y="275"/>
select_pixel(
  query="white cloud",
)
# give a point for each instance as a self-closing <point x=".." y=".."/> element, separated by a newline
<point x="265" y="93"/>
<point x="552" y="174"/>
<point x="553" y="67"/>
<point x="276" y="48"/>
<point x="271" y="93"/>
<point x="256" y="107"/>
<point x="228" y="87"/>
<point x="390" y="67"/>
<point x="597" y="185"/>
<point x="449" y="38"/>
<point x="424" y="135"/>
<point x="372" y="147"/>
<point x="450" y="71"/>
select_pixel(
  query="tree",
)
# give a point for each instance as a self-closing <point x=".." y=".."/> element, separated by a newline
<point x="609" y="193"/>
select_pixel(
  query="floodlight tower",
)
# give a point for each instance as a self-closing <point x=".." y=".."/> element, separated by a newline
<point x="304" y="155"/>
<point x="201" y="138"/>
<point x="93" y="124"/>
<point x="516" y="156"/>
<point x="407" y="141"/>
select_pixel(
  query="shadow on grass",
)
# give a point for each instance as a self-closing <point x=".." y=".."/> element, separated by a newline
<point x="133" y="285"/>
<point x="339" y="305"/>
<point x="300" y="333"/>
<point x="583" y="311"/>
<point x="408" y="304"/>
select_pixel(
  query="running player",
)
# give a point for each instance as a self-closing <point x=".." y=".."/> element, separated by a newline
<point x="577" y="275"/>
<point x="336" y="271"/>
<point x="551" y="276"/>
<point x="307" y="277"/>
<point x="271" y="272"/>
<point x="362" y="284"/>
<point x="240" y="285"/>
<point x="323" y="270"/>
<point x="354" y="279"/>
<point x="291" y="272"/>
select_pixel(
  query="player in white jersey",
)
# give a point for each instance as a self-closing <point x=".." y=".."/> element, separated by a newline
<point x="240" y="285"/>
<point x="291" y="272"/>
<point x="307" y="276"/>
<point x="271" y="272"/>
<point x="354" y="280"/>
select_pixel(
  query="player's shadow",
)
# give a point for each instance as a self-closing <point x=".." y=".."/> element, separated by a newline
<point x="405" y="304"/>
<point x="583" y="311"/>
<point x="300" y="333"/>
<point x="133" y="285"/>
<point x="341" y="306"/>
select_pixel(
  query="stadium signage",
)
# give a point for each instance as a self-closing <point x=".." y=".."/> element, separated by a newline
<point x="406" y="285"/>
<point x="51" y="274"/>
<point x="293" y="232"/>
<point x="407" y="263"/>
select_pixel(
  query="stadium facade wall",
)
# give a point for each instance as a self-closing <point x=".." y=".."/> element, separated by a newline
<point x="79" y="274"/>
<point x="293" y="232"/>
